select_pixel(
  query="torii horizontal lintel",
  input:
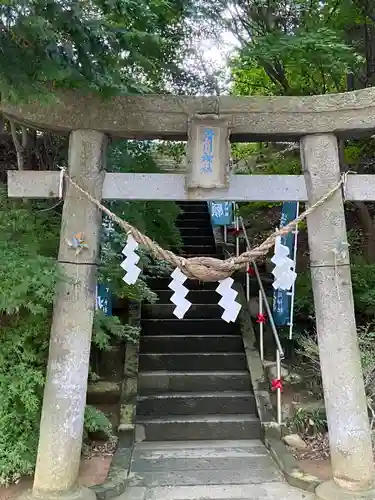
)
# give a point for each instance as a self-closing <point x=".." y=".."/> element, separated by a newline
<point x="251" y="118"/>
<point x="125" y="186"/>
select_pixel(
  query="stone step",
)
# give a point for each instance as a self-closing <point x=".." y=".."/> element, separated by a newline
<point x="198" y="239"/>
<point x="195" y="296"/>
<point x="192" y="343"/>
<point x="196" y="213"/>
<point x="243" y="489"/>
<point x="187" y="326"/>
<point x="202" y="427"/>
<point x="223" y="448"/>
<point x="193" y="208"/>
<point x="192" y="231"/>
<point x="253" y="463"/>
<point x="207" y="470"/>
<point x="211" y="403"/>
<point x="162" y="284"/>
<point x="204" y="471"/>
<point x="165" y="311"/>
<point x="193" y="361"/>
<point x="192" y="202"/>
<point x="200" y="215"/>
<point x="194" y="222"/>
<point x="200" y="448"/>
<point x="151" y="382"/>
<point x="190" y="255"/>
<point x="103" y="392"/>
<point x="198" y="250"/>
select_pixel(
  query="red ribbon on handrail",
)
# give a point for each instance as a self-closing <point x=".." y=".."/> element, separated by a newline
<point x="277" y="384"/>
<point x="261" y="318"/>
<point x="234" y="232"/>
<point x="250" y="271"/>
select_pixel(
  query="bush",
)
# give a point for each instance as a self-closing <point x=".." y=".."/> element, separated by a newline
<point x="23" y="354"/>
<point x="23" y="359"/>
<point x="363" y="279"/>
<point x="96" y="421"/>
<point x="29" y="274"/>
<point x="308" y="422"/>
<point x="309" y="351"/>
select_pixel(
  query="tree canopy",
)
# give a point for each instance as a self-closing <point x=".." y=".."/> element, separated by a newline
<point x="108" y="46"/>
<point x="299" y="47"/>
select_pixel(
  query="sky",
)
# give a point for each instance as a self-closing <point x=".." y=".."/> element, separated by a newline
<point x="216" y="50"/>
<point x="214" y="54"/>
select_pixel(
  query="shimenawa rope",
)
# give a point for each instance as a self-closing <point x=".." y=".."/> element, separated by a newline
<point x="207" y="268"/>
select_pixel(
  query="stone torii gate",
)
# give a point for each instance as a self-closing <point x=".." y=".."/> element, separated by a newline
<point x="314" y="121"/>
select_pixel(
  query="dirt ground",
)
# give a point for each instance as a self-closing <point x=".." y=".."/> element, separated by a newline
<point x="318" y="468"/>
<point x="93" y="471"/>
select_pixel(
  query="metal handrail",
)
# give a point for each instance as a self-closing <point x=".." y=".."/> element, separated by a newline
<point x="263" y="300"/>
<point x="264" y="296"/>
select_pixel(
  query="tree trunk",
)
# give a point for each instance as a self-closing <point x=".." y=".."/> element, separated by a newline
<point x="29" y="145"/>
<point x="368" y="226"/>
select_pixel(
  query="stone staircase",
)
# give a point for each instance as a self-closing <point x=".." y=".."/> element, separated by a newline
<point x="197" y="432"/>
<point x="193" y="378"/>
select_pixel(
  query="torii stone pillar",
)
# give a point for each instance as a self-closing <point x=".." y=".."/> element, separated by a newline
<point x="344" y="393"/>
<point x="64" y="401"/>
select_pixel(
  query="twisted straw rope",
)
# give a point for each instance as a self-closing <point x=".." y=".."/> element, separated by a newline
<point x="207" y="268"/>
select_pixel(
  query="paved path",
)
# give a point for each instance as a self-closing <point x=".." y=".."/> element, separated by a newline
<point x="206" y="470"/>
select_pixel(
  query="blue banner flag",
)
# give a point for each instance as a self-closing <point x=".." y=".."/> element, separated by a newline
<point x="282" y="298"/>
<point x="221" y="213"/>
<point x="104" y="299"/>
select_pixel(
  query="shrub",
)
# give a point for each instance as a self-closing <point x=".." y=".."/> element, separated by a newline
<point x="308" y="422"/>
<point x="363" y="279"/>
<point x="309" y="351"/>
<point x="29" y="274"/>
<point x="23" y="354"/>
<point x="96" y="421"/>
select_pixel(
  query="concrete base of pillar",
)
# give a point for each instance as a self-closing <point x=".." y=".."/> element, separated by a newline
<point x="329" y="490"/>
<point x="77" y="494"/>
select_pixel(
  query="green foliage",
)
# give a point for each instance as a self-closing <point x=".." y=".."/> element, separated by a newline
<point x="262" y="160"/>
<point x="308" y="422"/>
<point x="28" y="249"/>
<point x="314" y="61"/>
<point x="102" y="45"/>
<point x="363" y="279"/>
<point x="23" y="354"/>
<point x="29" y="276"/>
<point x="27" y="268"/>
<point x="172" y="150"/>
<point x="96" y="421"/>
<point x="250" y="79"/>
<point x="352" y="154"/>
<point x="155" y="267"/>
<point x="155" y="219"/>
<point x="309" y="351"/>
<point x="304" y="302"/>
<point x="301" y="47"/>
<point x="106" y="329"/>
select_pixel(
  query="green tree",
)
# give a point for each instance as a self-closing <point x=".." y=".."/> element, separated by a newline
<point x="99" y="45"/>
<point x="301" y="47"/>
